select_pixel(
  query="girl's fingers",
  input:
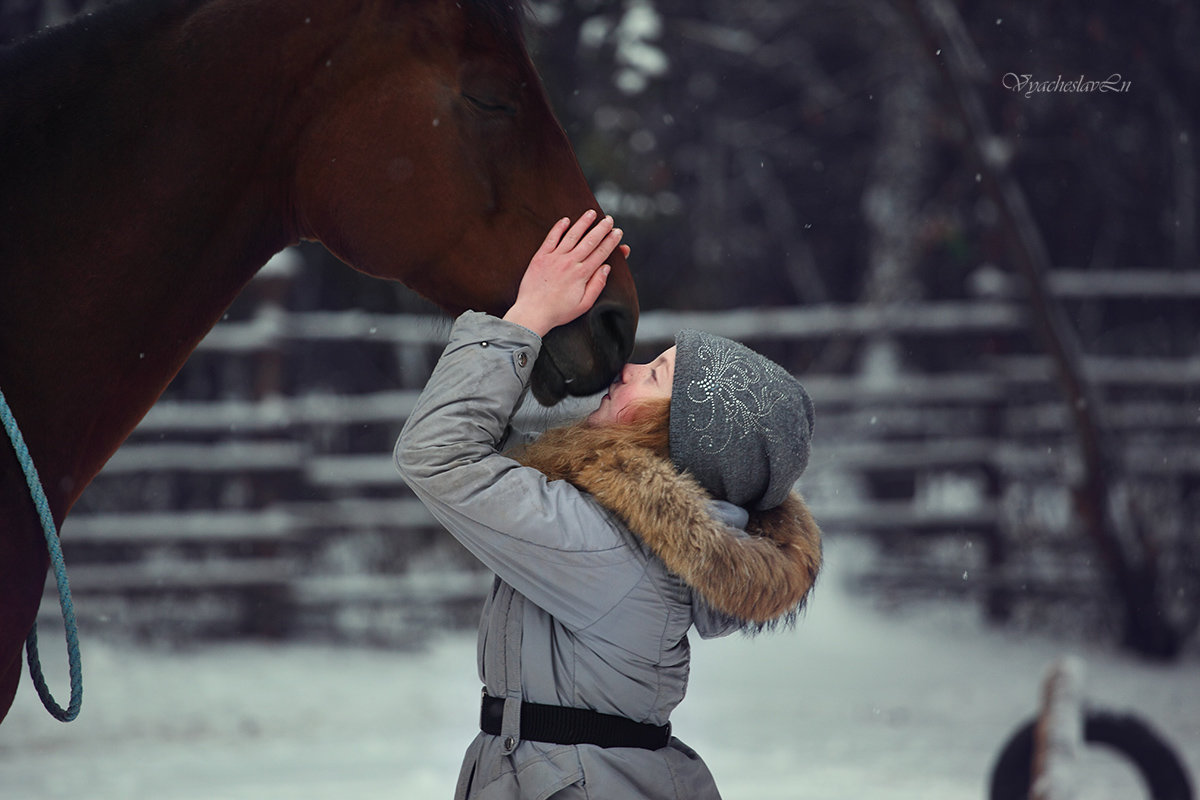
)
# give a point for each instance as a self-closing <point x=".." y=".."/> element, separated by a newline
<point x="594" y="286"/>
<point x="555" y="235"/>
<point x="576" y="231"/>
<point x="603" y="249"/>
<point x="596" y="237"/>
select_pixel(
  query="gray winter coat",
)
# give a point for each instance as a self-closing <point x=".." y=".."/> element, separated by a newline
<point x="583" y="612"/>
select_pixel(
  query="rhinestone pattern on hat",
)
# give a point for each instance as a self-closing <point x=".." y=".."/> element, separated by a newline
<point x="731" y="394"/>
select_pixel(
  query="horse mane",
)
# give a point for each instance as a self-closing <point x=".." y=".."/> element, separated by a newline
<point x="105" y="29"/>
<point x="102" y="30"/>
<point x="67" y="66"/>
<point x="507" y="16"/>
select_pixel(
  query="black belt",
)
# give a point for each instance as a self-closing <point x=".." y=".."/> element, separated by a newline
<point x="562" y="725"/>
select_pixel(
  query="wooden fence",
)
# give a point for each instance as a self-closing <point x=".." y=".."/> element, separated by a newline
<point x="276" y="511"/>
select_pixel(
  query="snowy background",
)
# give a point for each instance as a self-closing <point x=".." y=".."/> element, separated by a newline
<point x="855" y="703"/>
<point x="759" y="154"/>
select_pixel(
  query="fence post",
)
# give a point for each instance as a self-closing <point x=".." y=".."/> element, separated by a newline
<point x="268" y="611"/>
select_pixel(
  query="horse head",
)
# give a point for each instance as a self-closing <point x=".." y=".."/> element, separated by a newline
<point x="158" y="153"/>
<point x="443" y="168"/>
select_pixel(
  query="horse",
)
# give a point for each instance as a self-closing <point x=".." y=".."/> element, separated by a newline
<point x="157" y="153"/>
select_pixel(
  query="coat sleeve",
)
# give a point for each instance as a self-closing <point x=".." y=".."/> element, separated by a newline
<point x="551" y="542"/>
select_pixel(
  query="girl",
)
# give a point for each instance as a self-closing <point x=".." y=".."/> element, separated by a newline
<point x="670" y="507"/>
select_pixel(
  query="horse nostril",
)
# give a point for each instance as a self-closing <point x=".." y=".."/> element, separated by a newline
<point x="589" y="352"/>
<point x="614" y="327"/>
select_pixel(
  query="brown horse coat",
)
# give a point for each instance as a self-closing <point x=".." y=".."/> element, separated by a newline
<point x="157" y="153"/>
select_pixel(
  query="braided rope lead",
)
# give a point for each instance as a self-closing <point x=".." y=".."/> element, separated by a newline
<point x="60" y="574"/>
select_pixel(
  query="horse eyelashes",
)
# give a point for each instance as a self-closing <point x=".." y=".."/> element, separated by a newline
<point x="490" y="106"/>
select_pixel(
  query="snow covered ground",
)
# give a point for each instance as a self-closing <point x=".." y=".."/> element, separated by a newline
<point x="852" y="704"/>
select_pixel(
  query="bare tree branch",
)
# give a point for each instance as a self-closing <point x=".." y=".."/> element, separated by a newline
<point x="1147" y="629"/>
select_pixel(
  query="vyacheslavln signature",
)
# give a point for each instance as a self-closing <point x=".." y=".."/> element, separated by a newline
<point x="1026" y="84"/>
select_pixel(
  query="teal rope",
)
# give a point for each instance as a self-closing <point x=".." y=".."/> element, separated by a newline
<point x="60" y="575"/>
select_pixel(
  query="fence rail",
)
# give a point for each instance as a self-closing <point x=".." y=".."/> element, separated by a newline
<point x="287" y="509"/>
<point x="271" y="329"/>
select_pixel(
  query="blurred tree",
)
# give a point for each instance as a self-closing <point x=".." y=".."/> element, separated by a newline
<point x="893" y="201"/>
<point x="718" y="153"/>
<point x="19" y="18"/>
<point x="1131" y="553"/>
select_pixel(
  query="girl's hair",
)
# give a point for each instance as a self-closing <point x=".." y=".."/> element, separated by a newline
<point x="557" y="451"/>
<point x="649" y="425"/>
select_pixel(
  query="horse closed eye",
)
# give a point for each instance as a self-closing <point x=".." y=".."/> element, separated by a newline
<point x="490" y="106"/>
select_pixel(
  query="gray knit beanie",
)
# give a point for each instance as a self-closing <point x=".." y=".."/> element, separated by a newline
<point x="740" y="423"/>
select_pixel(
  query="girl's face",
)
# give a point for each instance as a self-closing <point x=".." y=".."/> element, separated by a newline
<point x="636" y="382"/>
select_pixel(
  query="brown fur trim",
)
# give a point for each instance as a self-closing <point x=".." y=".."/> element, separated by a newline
<point x="757" y="579"/>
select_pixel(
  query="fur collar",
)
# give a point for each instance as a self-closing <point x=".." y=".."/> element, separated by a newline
<point x="760" y="579"/>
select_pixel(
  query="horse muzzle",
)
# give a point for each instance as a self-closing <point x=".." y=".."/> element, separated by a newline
<point x="583" y="357"/>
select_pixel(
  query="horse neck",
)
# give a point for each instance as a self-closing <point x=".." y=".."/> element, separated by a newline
<point x="148" y="192"/>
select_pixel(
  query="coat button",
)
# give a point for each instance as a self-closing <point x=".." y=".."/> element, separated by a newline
<point x="522" y="359"/>
<point x="510" y="744"/>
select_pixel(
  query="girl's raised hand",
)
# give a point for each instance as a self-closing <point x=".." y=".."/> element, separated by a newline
<point x="566" y="274"/>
